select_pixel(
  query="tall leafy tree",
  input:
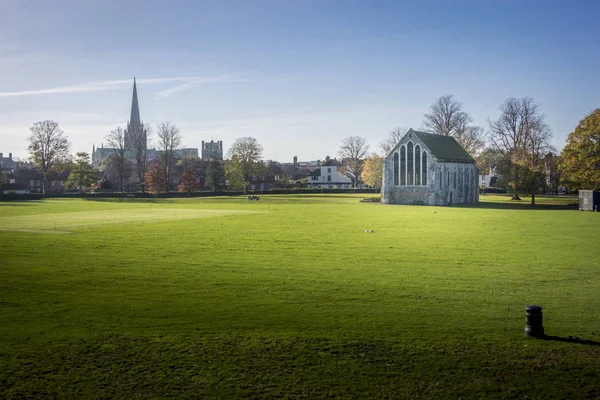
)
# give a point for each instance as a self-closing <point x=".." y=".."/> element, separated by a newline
<point x="488" y="160"/>
<point x="352" y="151"/>
<point x="244" y="162"/>
<point x="372" y="173"/>
<point x="82" y="174"/>
<point x="48" y="147"/>
<point x="155" y="179"/>
<point x="214" y="173"/>
<point x="169" y="138"/>
<point x="188" y="180"/>
<point x="580" y="159"/>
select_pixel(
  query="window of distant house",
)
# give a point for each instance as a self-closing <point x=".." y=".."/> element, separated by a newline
<point x="454" y="179"/>
<point x="424" y="169"/>
<point x="328" y="170"/>
<point x="329" y="178"/>
<point x="410" y="163"/>
<point x="417" y="165"/>
<point x="396" y="169"/>
<point x="402" y="165"/>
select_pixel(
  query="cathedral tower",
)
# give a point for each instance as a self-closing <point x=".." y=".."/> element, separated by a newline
<point x="134" y="126"/>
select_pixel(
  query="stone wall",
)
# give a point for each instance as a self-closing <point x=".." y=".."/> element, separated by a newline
<point x="447" y="183"/>
<point x="454" y="183"/>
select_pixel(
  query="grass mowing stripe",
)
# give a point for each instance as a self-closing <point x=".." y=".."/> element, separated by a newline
<point x="90" y="219"/>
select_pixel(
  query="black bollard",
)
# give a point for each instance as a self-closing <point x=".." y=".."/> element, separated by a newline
<point x="534" y="327"/>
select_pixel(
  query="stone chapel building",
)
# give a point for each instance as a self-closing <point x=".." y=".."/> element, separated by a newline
<point x="429" y="169"/>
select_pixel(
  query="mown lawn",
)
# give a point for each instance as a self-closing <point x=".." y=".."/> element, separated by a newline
<point x="289" y="297"/>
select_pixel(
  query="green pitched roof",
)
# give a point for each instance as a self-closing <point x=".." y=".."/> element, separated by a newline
<point x="444" y="148"/>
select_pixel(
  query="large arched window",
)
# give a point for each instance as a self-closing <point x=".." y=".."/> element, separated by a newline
<point x="396" y="166"/>
<point x="417" y="164"/>
<point x="424" y="169"/>
<point x="409" y="165"/>
<point x="402" y="165"/>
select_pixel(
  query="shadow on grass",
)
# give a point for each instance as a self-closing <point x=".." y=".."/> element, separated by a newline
<point x="570" y="339"/>
<point x="518" y="206"/>
<point x="124" y="199"/>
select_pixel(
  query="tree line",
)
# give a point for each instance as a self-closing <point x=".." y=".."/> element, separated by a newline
<point x="516" y="145"/>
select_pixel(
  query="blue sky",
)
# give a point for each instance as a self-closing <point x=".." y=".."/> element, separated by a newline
<point x="297" y="75"/>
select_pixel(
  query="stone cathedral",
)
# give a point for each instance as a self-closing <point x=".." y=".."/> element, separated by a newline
<point x="429" y="169"/>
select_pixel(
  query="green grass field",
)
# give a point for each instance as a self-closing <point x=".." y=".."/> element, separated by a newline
<point x="288" y="297"/>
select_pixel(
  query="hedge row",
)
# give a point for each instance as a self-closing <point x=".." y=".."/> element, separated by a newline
<point x="138" y="195"/>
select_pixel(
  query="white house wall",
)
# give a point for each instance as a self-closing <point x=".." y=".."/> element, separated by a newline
<point x="337" y="179"/>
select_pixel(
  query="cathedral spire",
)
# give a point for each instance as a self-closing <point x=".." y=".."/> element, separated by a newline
<point x="135" y="120"/>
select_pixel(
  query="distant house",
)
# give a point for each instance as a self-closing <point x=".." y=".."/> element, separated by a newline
<point x="34" y="180"/>
<point x="488" y="180"/>
<point x="429" y="169"/>
<point x="327" y="176"/>
<point x="7" y="164"/>
<point x="14" y="188"/>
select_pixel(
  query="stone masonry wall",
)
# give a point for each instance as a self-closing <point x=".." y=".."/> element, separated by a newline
<point x="447" y="183"/>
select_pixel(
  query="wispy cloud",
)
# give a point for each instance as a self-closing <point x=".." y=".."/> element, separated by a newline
<point x="118" y="84"/>
<point x="189" y="83"/>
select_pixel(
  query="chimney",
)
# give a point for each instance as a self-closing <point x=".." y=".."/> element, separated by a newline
<point x="327" y="158"/>
<point x="10" y="156"/>
<point x="295" y="160"/>
<point x="1" y="156"/>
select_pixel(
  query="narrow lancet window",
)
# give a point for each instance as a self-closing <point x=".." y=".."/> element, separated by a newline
<point x="402" y="165"/>
<point x="409" y="162"/>
<point x="396" y="171"/>
<point x="424" y="169"/>
<point x="417" y="165"/>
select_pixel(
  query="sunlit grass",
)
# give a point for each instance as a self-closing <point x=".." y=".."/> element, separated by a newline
<point x="289" y="296"/>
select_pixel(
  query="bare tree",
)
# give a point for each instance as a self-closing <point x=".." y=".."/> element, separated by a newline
<point x="472" y="139"/>
<point x="392" y="140"/>
<point x="169" y="138"/>
<point x="446" y="117"/>
<point x="523" y="139"/>
<point x="140" y="142"/>
<point x="116" y="141"/>
<point x="48" y="147"/>
<point x="352" y="152"/>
